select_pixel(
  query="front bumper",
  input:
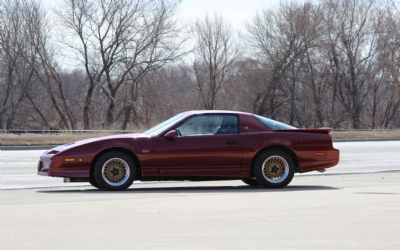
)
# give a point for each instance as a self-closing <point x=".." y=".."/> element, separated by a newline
<point x="43" y="167"/>
<point x="55" y="166"/>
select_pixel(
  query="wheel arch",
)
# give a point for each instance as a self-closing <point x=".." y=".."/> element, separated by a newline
<point x="280" y="148"/>
<point x="118" y="149"/>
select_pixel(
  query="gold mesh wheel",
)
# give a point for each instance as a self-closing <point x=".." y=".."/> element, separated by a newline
<point x="115" y="172"/>
<point x="275" y="169"/>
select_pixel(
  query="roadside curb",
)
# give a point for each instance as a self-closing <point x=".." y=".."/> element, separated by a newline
<point x="364" y="139"/>
<point x="10" y="148"/>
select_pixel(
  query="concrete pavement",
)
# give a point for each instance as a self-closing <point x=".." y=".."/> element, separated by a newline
<point x="352" y="211"/>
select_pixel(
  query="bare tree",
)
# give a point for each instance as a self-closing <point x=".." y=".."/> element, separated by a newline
<point x="119" y="42"/>
<point x="46" y="70"/>
<point x="354" y="52"/>
<point x="315" y="69"/>
<point x="15" y="53"/>
<point x="310" y="63"/>
<point x="385" y="92"/>
<point x="273" y="34"/>
<point x="215" y="54"/>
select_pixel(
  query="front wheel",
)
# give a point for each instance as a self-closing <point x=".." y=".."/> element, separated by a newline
<point x="114" y="171"/>
<point x="274" y="169"/>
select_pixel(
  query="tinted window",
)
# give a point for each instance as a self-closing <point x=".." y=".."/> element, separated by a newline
<point x="272" y="124"/>
<point x="165" y="124"/>
<point x="209" y="125"/>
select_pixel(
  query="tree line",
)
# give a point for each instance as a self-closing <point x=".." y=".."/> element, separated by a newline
<point x="104" y="64"/>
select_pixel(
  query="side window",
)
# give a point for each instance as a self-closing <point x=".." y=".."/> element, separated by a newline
<point x="209" y="125"/>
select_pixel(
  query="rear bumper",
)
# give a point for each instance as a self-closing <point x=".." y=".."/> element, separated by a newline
<point x="318" y="160"/>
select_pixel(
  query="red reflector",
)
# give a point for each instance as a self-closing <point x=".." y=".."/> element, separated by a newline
<point x="320" y="154"/>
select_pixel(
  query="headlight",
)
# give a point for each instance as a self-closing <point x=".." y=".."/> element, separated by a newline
<point x="44" y="164"/>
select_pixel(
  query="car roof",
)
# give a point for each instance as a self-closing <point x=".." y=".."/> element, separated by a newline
<point x="191" y="112"/>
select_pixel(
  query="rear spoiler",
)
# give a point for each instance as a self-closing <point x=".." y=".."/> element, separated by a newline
<point x="307" y="130"/>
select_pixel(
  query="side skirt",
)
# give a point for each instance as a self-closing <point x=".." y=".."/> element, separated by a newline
<point x="187" y="178"/>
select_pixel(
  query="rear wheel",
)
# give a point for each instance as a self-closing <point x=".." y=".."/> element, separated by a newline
<point x="251" y="182"/>
<point x="93" y="182"/>
<point x="114" y="171"/>
<point x="274" y="169"/>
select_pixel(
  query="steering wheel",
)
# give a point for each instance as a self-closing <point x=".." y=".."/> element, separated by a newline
<point x="216" y="130"/>
<point x="178" y="132"/>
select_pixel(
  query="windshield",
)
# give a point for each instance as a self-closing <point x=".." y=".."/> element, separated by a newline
<point x="164" y="125"/>
<point x="272" y="124"/>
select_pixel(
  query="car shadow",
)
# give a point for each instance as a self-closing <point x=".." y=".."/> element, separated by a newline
<point x="196" y="189"/>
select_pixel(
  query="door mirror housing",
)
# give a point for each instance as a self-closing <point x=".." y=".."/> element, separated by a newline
<point x="171" y="135"/>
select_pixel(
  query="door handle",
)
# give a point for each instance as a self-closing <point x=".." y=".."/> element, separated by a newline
<point x="231" y="142"/>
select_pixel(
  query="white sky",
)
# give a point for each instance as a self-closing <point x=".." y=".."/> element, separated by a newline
<point x="236" y="12"/>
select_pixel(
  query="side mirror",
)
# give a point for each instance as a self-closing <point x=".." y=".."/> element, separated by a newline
<point x="171" y="135"/>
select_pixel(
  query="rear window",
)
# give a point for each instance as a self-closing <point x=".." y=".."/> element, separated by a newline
<point x="272" y="124"/>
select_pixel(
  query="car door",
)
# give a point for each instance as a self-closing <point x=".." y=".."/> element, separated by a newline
<point x="206" y="145"/>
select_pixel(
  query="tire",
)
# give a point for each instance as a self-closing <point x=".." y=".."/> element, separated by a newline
<point x="274" y="169"/>
<point x="93" y="182"/>
<point x="251" y="182"/>
<point x="114" y="171"/>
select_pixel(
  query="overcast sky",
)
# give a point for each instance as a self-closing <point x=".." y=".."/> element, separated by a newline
<point x="237" y="12"/>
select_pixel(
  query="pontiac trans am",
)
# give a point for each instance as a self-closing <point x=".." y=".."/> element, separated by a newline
<point x="196" y="145"/>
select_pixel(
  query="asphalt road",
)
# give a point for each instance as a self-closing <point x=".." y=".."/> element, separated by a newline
<point x="18" y="168"/>
<point x="353" y="206"/>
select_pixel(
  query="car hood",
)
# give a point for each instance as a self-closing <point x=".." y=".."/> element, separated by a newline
<point x="70" y="145"/>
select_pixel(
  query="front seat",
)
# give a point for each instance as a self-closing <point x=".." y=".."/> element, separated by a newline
<point x="228" y="126"/>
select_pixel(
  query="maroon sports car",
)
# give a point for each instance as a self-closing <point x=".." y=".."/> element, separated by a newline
<point x="196" y="145"/>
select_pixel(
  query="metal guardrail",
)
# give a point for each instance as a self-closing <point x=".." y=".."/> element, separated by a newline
<point x="344" y="130"/>
<point x="81" y="131"/>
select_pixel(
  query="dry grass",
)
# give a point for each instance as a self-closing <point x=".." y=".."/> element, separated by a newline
<point x="385" y="134"/>
<point x="59" y="139"/>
